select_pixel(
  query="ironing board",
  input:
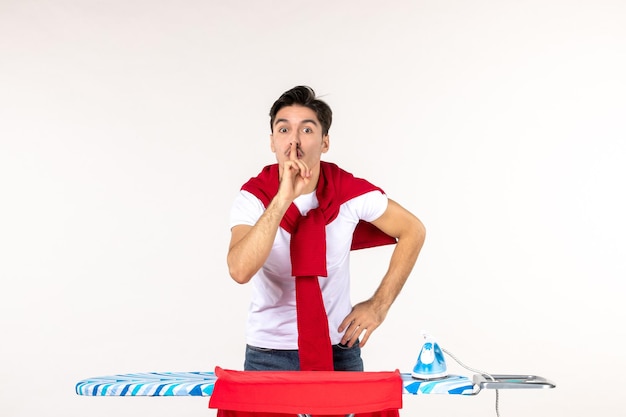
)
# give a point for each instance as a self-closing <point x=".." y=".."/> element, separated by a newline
<point x="203" y="384"/>
<point x="165" y="384"/>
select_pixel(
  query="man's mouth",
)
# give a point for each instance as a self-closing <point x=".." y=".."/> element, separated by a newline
<point x="299" y="153"/>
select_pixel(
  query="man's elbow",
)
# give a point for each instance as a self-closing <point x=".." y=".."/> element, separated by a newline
<point x="238" y="275"/>
<point x="420" y="230"/>
<point x="414" y="231"/>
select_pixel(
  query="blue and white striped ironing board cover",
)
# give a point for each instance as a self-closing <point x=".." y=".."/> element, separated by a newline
<point x="165" y="384"/>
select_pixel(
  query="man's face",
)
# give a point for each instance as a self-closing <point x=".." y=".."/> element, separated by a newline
<point x="300" y="125"/>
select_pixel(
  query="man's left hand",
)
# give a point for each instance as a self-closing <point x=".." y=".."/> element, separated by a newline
<point x="361" y="322"/>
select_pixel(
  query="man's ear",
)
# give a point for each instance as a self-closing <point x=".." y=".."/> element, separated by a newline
<point x="272" y="147"/>
<point x="325" y="143"/>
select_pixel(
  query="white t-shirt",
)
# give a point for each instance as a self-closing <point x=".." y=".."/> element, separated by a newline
<point x="272" y="313"/>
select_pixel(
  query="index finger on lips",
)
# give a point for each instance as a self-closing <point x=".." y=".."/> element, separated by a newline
<point x="293" y="151"/>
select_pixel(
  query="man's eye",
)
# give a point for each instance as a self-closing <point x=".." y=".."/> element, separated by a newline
<point x="282" y="130"/>
<point x="307" y="130"/>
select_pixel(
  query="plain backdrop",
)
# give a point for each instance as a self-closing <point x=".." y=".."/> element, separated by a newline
<point x="127" y="128"/>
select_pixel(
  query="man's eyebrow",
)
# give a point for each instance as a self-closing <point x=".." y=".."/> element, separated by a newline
<point x="277" y="121"/>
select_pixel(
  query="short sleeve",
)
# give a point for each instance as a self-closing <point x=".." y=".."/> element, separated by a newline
<point x="246" y="209"/>
<point x="369" y="206"/>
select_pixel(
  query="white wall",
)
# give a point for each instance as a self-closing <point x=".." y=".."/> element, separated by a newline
<point x="126" y="127"/>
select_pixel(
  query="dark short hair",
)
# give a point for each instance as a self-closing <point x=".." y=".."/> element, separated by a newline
<point x="303" y="96"/>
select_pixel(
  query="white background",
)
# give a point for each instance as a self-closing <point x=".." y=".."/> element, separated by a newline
<point x="127" y="127"/>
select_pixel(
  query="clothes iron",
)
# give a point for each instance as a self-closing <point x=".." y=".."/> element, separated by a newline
<point x="430" y="362"/>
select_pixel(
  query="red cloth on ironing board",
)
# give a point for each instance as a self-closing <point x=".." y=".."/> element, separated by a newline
<point x="285" y="393"/>
<point x="308" y="251"/>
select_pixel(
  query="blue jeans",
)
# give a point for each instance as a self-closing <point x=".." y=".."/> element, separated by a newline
<point x="263" y="359"/>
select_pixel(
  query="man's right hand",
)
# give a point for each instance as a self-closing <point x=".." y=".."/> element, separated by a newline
<point x="295" y="177"/>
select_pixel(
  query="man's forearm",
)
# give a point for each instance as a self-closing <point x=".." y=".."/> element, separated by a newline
<point x="400" y="266"/>
<point x="249" y="253"/>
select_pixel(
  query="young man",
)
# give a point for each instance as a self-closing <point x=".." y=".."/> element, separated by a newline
<point x="293" y="227"/>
